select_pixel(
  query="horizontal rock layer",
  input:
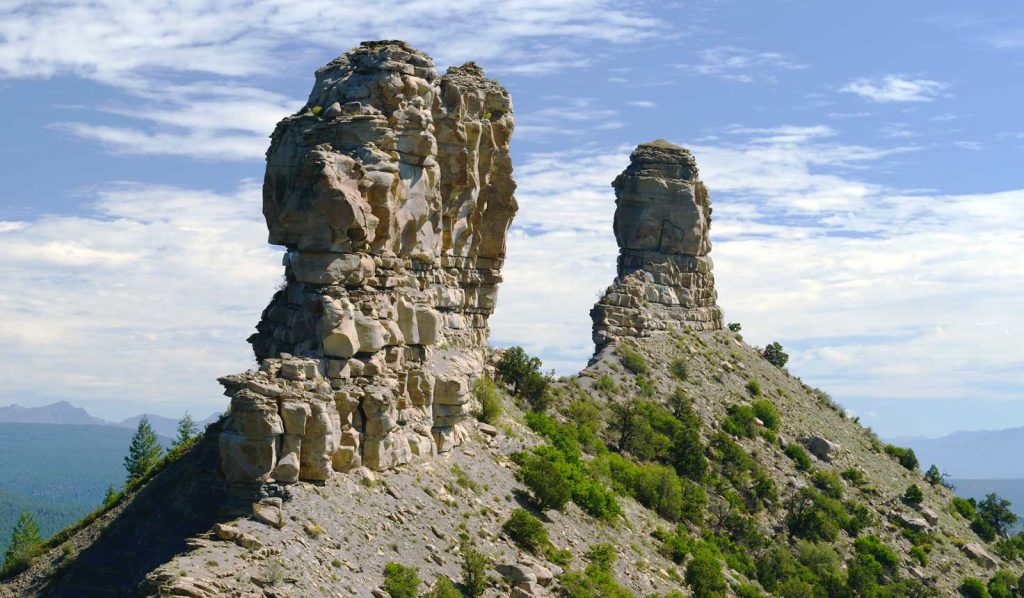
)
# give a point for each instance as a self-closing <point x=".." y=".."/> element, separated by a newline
<point x="392" y="192"/>
<point x="662" y="225"/>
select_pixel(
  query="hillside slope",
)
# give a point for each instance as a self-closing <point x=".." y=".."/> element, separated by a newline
<point x="337" y="536"/>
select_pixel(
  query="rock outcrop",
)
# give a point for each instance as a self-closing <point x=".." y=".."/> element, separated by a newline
<point x="662" y="226"/>
<point x="392" y="192"/>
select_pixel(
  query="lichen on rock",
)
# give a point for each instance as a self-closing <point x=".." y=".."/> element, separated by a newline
<point x="662" y="226"/>
<point x="392" y="193"/>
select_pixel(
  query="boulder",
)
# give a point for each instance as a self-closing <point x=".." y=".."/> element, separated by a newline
<point x="980" y="555"/>
<point x="821" y="448"/>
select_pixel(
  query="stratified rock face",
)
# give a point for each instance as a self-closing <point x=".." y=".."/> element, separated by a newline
<point x="662" y="226"/>
<point x="392" y="192"/>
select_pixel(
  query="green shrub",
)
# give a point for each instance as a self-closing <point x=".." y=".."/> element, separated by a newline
<point x="585" y="415"/>
<point x="515" y="365"/>
<point x="754" y="388"/>
<point x="918" y="554"/>
<point x="743" y="472"/>
<point x="444" y="588"/>
<point x="882" y="554"/>
<point x="904" y="456"/>
<point x="597" y="580"/>
<point x="490" y="402"/>
<point x="521" y="371"/>
<point x="933" y="476"/>
<point x="799" y="455"/>
<point x="606" y="384"/>
<point x="646" y="386"/>
<point x="401" y="581"/>
<point x="526" y="531"/>
<point x="985" y="531"/>
<point x="562" y="437"/>
<point x="1005" y="584"/>
<point x="740" y="421"/>
<point x="913" y="495"/>
<point x="595" y="499"/>
<point x="25" y="544"/>
<point x="965" y="507"/>
<point x="828" y="482"/>
<point x="995" y="511"/>
<point x="474" y="567"/>
<point x="633" y="361"/>
<point x="735" y="326"/>
<point x="972" y="587"/>
<point x="748" y="590"/>
<point x="774" y="354"/>
<point x="814" y="516"/>
<point x="854" y="476"/>
<point x="678" y="369"/>
<point x="767" y="412"/>
<point x="704" y="575"/>
<point x="548" y="478"/>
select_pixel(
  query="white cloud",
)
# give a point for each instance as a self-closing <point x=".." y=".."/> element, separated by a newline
<point x="229" y="49"/>
<point x="969" y="145"/>
<point x="896" y="88"/>
<point x="118" y="42"/>
<point x="643" y="104"/>
<point x="739" y="64"/>
<point x="566" y="116"/>
<point x="137" y="305"/>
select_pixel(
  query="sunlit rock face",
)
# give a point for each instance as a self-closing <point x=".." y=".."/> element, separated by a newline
<point x="392" y="193"/>
<point x="662" y="225"/>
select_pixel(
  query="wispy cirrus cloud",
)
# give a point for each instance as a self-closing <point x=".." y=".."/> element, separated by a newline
<point x="230" y="50"/>
<point x="739" y="64"/>
<point x="896" y="88"/>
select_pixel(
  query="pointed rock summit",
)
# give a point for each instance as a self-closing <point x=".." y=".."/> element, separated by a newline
<point x="662" y="225"/>
<point x="392" y="193"/>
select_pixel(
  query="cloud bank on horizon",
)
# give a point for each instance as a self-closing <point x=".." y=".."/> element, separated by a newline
<point x="869" y="206"/>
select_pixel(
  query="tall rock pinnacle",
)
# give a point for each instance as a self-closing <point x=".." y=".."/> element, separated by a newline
<point x="662" y="226"/>
<point x="392" y="192"/>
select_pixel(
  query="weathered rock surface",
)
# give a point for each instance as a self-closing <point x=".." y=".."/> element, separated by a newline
<point x="392" y="192"/>
<point x="662" y="226"/>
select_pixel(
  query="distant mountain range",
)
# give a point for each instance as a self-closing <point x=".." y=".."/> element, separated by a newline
<point x="64" y="413"/>
<point x="986" y="454"/>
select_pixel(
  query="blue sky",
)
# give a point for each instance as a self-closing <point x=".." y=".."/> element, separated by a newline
<point x="864" y="162"/>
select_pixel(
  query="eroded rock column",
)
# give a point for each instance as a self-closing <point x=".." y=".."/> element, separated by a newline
<point x="662" y="226"/>
<point x="392" y="192"/>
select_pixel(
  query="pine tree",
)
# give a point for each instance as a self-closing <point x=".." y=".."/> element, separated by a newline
<point x="25" y="540"/>
<point x="187" y="431"/>
<point x="111" y="496"/>
<point x="144" y="451"/>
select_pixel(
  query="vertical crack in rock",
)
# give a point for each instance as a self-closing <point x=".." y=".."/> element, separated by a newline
<point x="662" y="226"/>
<point x="392" y="192"/>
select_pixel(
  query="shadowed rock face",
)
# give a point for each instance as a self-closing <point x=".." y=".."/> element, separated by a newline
<point x="662" y="226"/>
<point x="392" y="192"/>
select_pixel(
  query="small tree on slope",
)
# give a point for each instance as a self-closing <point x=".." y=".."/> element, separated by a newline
<point x="187" y="430"/>
<point x="25" y="540"/>
<point x="143" y="452"/>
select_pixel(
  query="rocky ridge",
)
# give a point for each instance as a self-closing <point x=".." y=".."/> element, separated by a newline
<point x="392" y="192"/>
<point x="662" y="225"/>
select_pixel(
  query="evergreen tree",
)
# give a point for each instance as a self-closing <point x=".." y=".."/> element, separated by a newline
<point x="25" y="540"/>
<point x="144" y="451"/>
<point x="187" y="431"/>
<point x="111" y="496"/>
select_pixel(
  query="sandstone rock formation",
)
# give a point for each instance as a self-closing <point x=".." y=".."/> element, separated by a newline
<point x="392" y="192"/>
<point x="662" y="226"/>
